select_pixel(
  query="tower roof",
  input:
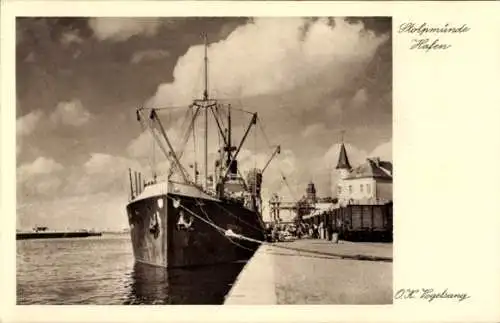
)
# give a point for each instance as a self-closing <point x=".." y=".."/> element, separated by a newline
<point x="343" y="162"/>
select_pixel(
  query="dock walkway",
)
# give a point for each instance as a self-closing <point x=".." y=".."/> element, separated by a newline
<point x="331" y="274"/>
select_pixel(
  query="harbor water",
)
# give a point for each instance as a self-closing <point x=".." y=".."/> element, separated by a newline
<point x="101" y="270"/>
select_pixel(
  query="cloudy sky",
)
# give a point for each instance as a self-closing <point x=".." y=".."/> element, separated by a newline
<point x="79" y="81"/>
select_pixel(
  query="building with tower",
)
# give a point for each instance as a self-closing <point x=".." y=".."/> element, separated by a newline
<point x="311" y="193"/>
<point x="368" y="183"/>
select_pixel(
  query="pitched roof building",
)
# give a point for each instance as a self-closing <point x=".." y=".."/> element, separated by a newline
<point x="368" y="183"/>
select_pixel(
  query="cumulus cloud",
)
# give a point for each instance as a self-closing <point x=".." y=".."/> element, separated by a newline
<point x="27" y="124"/>
<point x="39" y="177"/>
<point x="71" y="37"/>
<point x="41" y="165"/>
<point x="148" y="55"/>
<point x="30" y="58"/>
<point x="313" y="130"/>
<point x="77" y="54"/>
<point x="144" y="145"/>
<point x="71" y="113"/>
<point x="103" y="163"/>
<point x="46" y="185"/>
<point x="334" y="110"/>
<point x="121" y="29"/>
<point x="383" y="151"/>
<point x="102" y="173"/>
<point x="360" y="98"/>
<point x="280" y="58"/>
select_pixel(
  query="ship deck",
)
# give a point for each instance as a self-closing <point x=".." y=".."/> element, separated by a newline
<point x="343" y="273"/>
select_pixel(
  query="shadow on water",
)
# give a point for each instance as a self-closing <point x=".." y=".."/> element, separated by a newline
<point x="200" y="285"/>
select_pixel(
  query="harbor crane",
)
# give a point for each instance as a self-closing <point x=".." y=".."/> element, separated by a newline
<point x="276" y="151"/>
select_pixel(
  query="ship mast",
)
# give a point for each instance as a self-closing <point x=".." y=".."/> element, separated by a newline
<point x="205" y="98"/>
<point x="206" y="103"/>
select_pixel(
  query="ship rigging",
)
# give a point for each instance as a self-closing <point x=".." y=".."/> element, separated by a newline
<point x="227" y="172"/>
<point x="163" y="226"/>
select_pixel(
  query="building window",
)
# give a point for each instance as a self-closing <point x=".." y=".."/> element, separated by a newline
<point x="350" y="189"/>
<point x="339" y="188"/>
<point x="361" y="188"/>
<point x="368" y="188"/>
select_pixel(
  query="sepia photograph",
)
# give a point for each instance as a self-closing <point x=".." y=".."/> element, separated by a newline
<point x="204" y="160"/>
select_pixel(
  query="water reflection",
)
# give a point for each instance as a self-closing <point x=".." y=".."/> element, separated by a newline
<point x="199" y="285"/>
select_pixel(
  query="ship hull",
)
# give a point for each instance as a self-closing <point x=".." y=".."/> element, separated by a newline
<point x="166" y="234"/>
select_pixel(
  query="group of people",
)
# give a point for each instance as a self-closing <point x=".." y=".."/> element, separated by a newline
<point x="277" y="232"/>
<point x="301" y="230"/>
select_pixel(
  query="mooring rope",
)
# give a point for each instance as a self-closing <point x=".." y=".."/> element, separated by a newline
<point x="200" y="205"/>
<point x="230" y="234"/>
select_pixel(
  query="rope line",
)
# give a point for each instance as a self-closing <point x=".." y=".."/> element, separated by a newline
<point x="283" y="177"/>
<point x="191" y="127"/>
<point x="150" y="162"/>
<point x="211" y="223"/>
<point x="200" y="205"/>
<point x="230" y="234"/>
<point x="238" y="218"/>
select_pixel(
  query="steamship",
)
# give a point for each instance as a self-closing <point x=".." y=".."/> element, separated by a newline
<point x="185" y="221"/>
